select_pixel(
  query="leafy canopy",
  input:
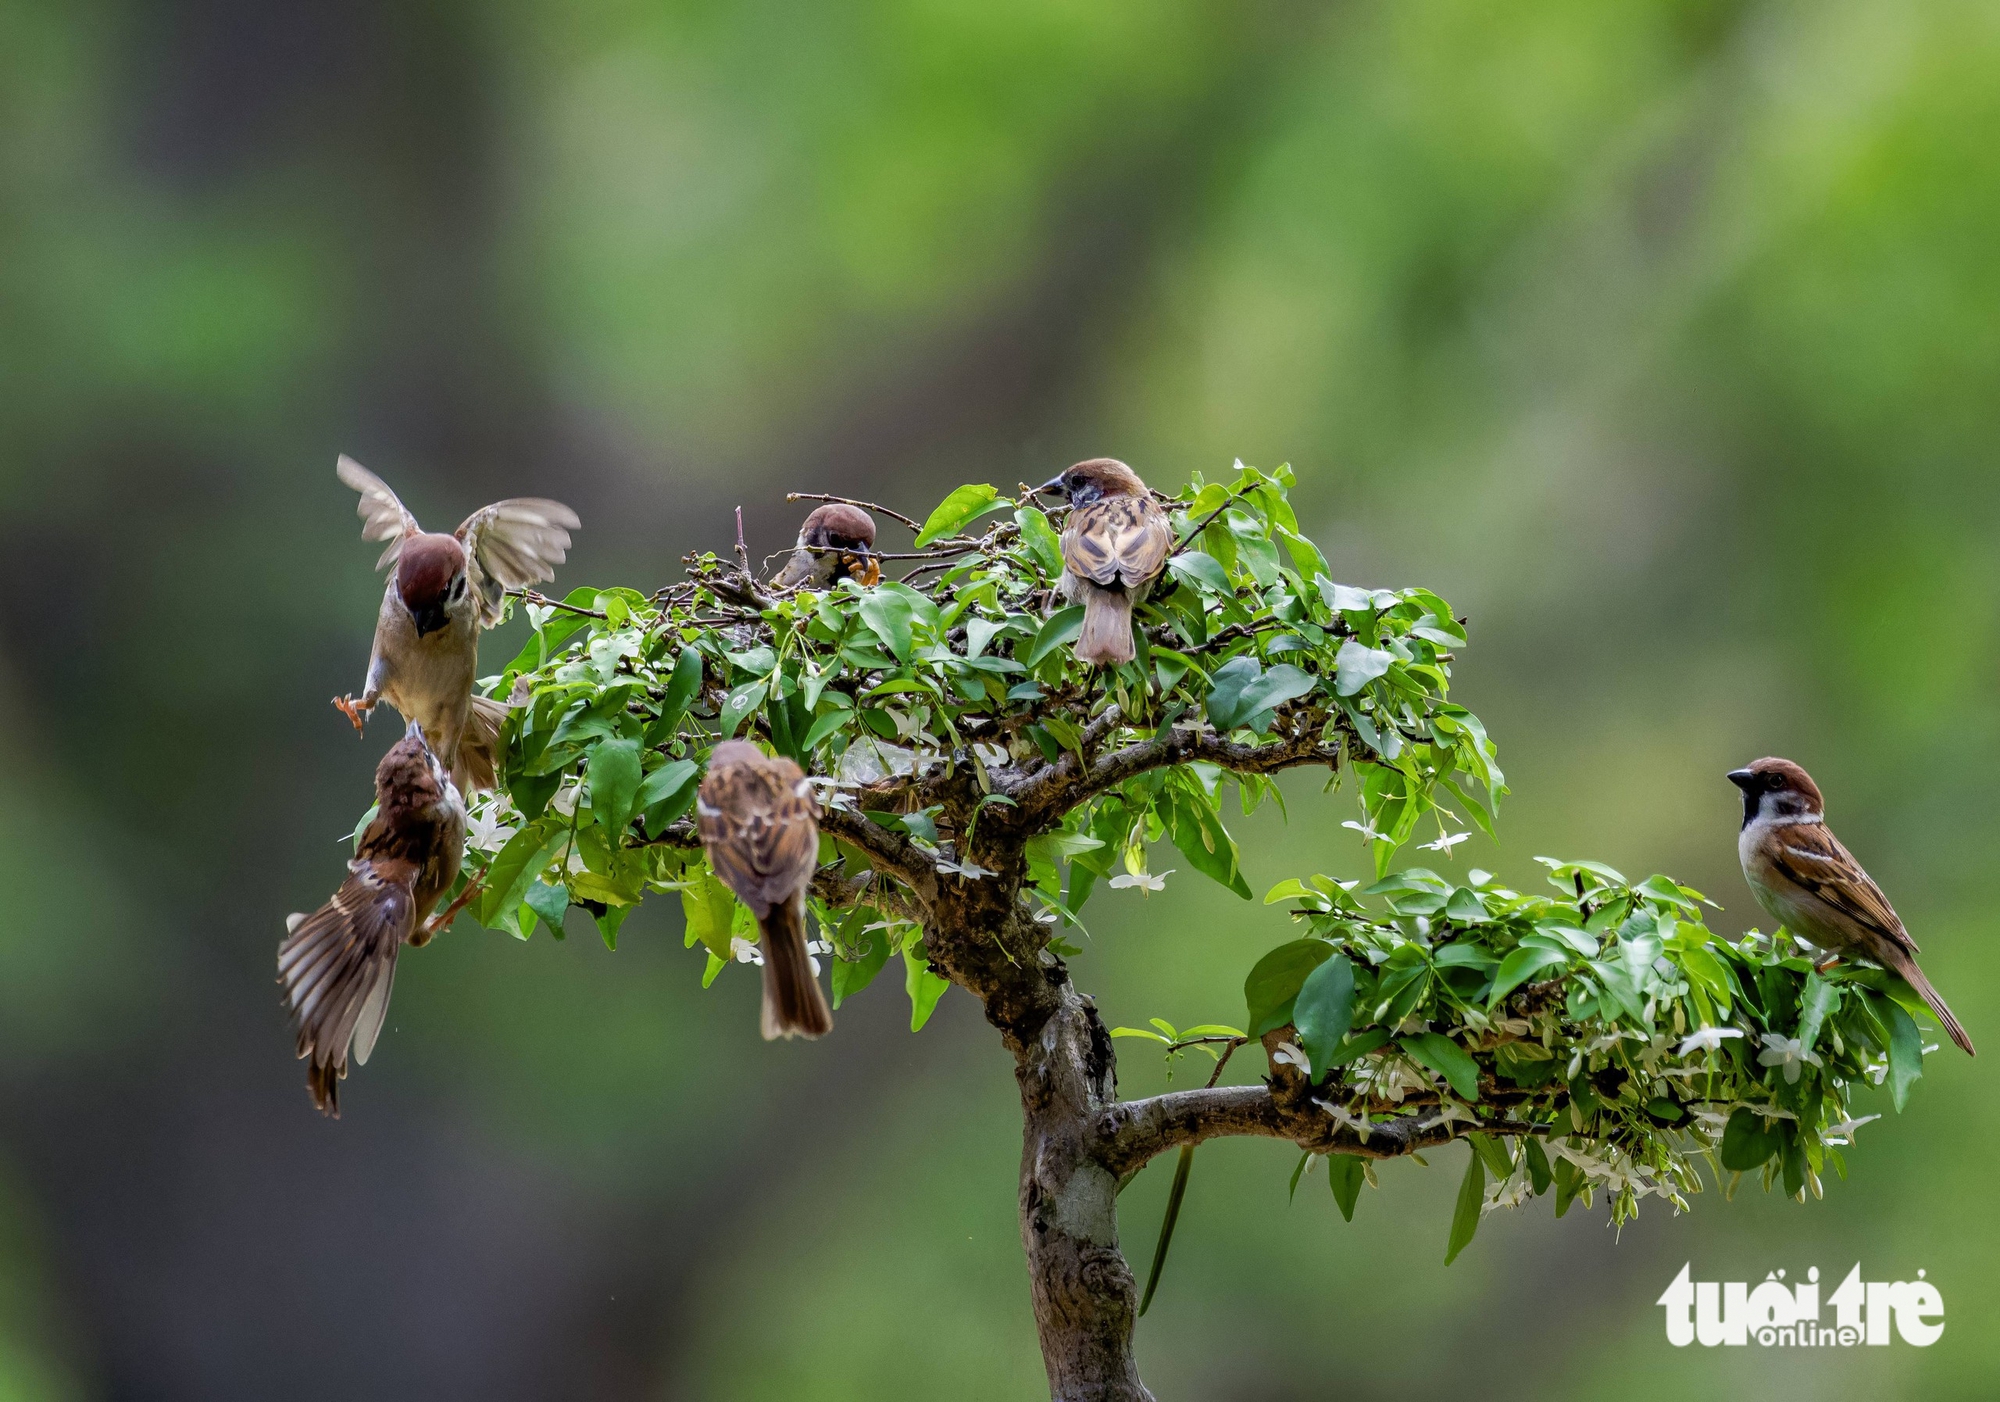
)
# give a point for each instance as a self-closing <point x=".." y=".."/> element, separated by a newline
<point x="1561" y="1014"/>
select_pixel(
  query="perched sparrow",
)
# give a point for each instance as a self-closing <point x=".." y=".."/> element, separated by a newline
<point x="760" y="825"/>
<point x="1812" y="885"/>
<point x="444" y="589"/>
<point x="1114" y="547"/>
<point x="836" y="540"/>
<point x="339" y="963"/>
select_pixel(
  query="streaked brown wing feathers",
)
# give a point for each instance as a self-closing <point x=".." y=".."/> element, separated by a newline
<point x="1812" y="857"/>
<point x="1120" y="538"/>
<point x="512" y="544"/>
<point x="383" y="515"/>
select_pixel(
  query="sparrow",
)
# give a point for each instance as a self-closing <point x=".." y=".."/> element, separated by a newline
<point x="443" y="591"/>
<point x="1114" y="547"/>
<point x="836" y="540"/>
<point x="1809" y="883"/>
<point x="760" y="825"/>
<point x="338" y="964"/>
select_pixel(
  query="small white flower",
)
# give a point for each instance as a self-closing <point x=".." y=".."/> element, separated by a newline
<point x="1342" y="1115"/>
<point x="1708" y="1039"/>
<point x="744" y="952"/>
<point x="487" y="828"/>
<point x="565" y="800"/>
<point x="966" y="868"/>
<point x="1445" y="842"/>
<point x="539" y="614"/>
<point x="1450" y="1111"/>
<point x="1289" y="1055"/>
<point x="1367" y="830"/>
<point x="1786" y="1052"/>
<point x="1845" y="1129"/>
<point x="1145" y="881"/>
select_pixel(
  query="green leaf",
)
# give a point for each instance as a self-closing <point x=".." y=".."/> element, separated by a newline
<point x="1817" y="1000"/>
<point x="1061" y="628"/>
<point x="851" y="976"/>
<point x="516" y="865"/>
<point x="1494" y="1153"/>
<point x="1275" y="981"/>
<point x="710" y="909"/>
<point x="889" y="615"/>
<point x="1227" y="704"/>
<point x="1196" y="829"/>
<point x="1346" y="1173"/>
<point x="1569" y="1182"/>
<point x="608" y="920"/>
<point x="1465" y="1217"/>
<point x="1298" y="1172"/>
<point x="1205" y="572"/>
<point x="681" y="689"/>
<point x="742" y="702"/>
<point x="964" y="504"/>
<point x="614" y="784"/>
<point x="923" y="986"/>
<point x="1448" y="1059"/>
<point x="1041" y="539"/>
<point x="1906" y="1053"/>
<point x="1747" y="1141"/>
<point x="1175" y="1196"/>
<point x="550" y="904"/>
<point x="1357" y="666"/>
<point x="1539" y="1175"/>
<point x="1520" y="966"/>
<point x="1323" y="1011"/>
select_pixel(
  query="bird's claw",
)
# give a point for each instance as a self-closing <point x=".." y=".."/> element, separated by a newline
<point x="421" y="936"/>
<point x="1823" y="965"/>
<point x="354" y="711"/>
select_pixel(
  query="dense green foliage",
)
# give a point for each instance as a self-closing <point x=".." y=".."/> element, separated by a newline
<point x="1605" y="1019"/>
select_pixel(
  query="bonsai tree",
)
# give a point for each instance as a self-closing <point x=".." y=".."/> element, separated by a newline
<point x="1587" y="1035"/>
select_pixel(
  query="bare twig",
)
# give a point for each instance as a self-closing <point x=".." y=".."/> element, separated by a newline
<point x="850" y="501"/>
<point x="1209" y="519"/>
<point x="530" y="596"/>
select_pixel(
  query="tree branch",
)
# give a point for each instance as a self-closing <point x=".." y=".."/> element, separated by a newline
<point x="888" y="852"/>
<point x="1061" y="786"/>
<point x="1126" y="1136"/>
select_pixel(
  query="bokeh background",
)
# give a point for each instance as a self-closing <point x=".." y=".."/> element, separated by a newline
<point x="1663" y="337"/>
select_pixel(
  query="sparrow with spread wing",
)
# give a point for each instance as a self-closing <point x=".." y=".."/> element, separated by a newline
<point x="760" y="825"/>
<point x="443" y="591"/>
<point x="338" y="964"/>
<point x="1812" y="885"/>
<point x="836" y="541"/>
<point x="1115" y="546"/>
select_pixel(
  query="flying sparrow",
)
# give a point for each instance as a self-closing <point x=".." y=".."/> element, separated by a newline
<point x="1812" y="885"/>
<point x="760" y="824"/>
<point x="338" y="964"/>
<point x="836" y="540"/>
<point x="1114" y="547"/>
<point x="443" y="591"/>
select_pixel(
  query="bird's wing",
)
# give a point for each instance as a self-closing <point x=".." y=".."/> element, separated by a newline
<point x="760" y="825"/>
<point x="383" y="516"/>
<point x="1118" y="538"/>
<point x="512" y="544"/>
<point x="1811" y="857"/>
<point x="338" y="963"/>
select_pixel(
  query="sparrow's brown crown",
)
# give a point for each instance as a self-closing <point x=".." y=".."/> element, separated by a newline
<point x="425" y="571"/>
<point x="1774" y="775"/>
<point x="1096" y="478"/>
<point x="838" y="525"/>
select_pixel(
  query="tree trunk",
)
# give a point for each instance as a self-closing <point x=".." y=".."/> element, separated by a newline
<point x="1085" y="1297"/>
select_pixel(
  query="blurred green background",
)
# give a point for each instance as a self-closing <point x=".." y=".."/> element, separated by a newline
<point x="1662" y="338"/>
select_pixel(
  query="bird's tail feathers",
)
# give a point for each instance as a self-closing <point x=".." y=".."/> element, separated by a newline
<point x="1914" y="976"/>
<point x="794" y="1006"/>
<point x="1106" y="639"/>
<point x="479" y="747"/>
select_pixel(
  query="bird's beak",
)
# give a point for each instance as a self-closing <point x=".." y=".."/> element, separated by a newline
<point x="1742" y="778"/>
<point x="1054" y="484"/>
<point x="865" y="568"/>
